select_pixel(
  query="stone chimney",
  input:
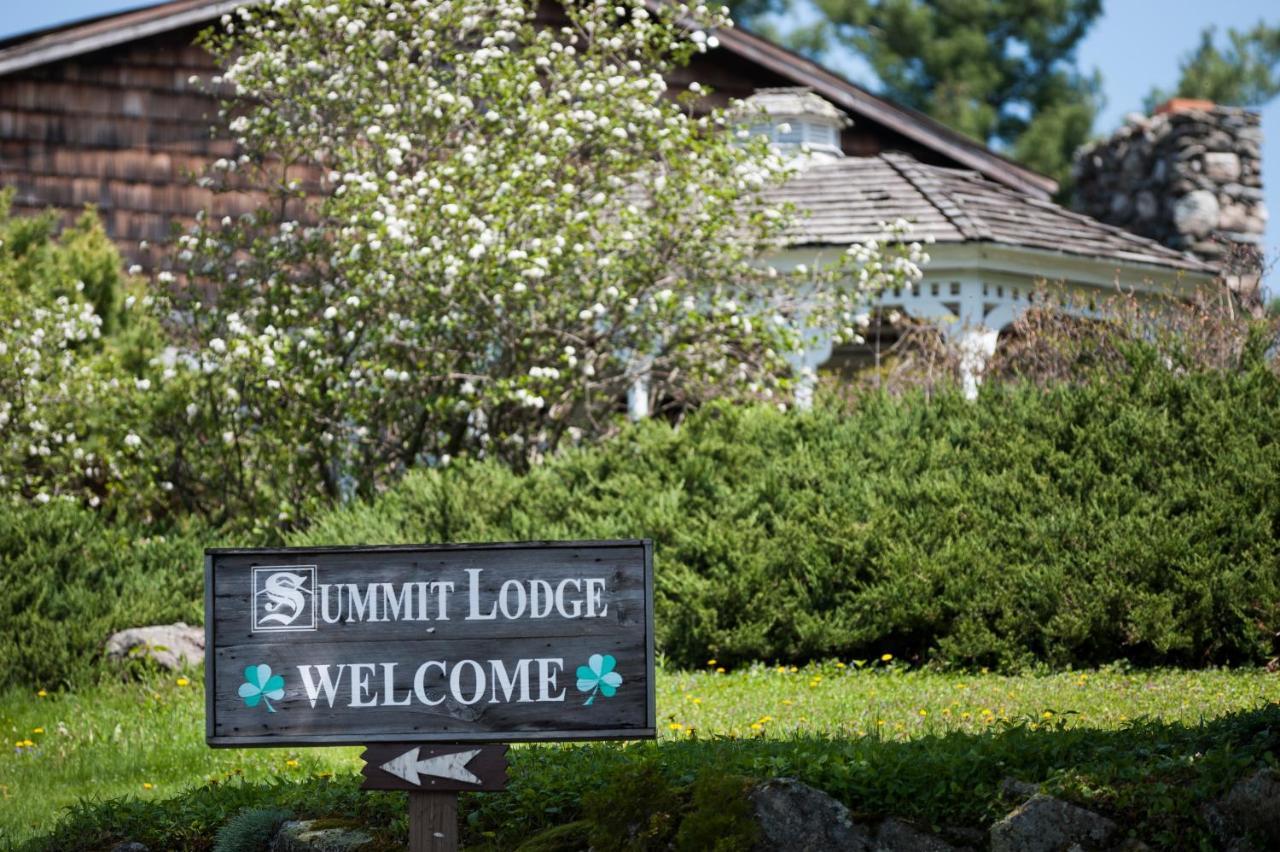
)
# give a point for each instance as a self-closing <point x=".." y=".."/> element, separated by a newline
<point x="797" y="119"/>
<point x="1189" y="176"/>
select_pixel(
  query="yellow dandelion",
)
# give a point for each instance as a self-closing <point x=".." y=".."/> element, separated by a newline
<point x="924" y="712"/>
<point x="697" y="701"/>
<point x="884" y="658"/>
<point x="786" y="701"/>
<point x="182" y="681"/>
<point x="1048" y="714"/>
<point x="37" y="730"/>
<point x="719" y="669"/>
<point x="711" y="662"/>
<point x="676" y="726"/>
<point x="840" y="665"/>
<point x="755" y="726"/>
<point x="794" y="669"/>
<point x="41" y="694"/>
<point x="291" y="763"/>
<point x="147" y="785"/>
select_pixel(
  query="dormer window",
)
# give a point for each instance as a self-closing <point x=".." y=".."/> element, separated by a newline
<point x="797" y="120"/>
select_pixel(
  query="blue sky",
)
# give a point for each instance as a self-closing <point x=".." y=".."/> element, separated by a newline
<point x="1135" y="45"/>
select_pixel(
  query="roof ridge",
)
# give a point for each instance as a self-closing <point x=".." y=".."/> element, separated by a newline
<point x="913" y="172"/>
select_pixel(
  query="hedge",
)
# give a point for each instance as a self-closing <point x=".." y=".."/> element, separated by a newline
<point x="68" y="580"/>
<point x="1136" y="517"/>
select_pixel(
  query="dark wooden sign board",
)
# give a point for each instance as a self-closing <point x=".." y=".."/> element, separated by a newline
<point x="424" y="653"/>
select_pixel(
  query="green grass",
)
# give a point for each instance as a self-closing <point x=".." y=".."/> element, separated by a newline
<point x="886" y="738"/>
<point x="141" y="740"/>
<point x="878" y="698"/>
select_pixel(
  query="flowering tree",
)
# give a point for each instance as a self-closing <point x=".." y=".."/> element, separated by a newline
<point x="73" y="338"/>
<point x="477" y="231"/>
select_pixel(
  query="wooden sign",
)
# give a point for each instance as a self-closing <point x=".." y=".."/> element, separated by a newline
<point x="452" y="643"/>
<point x="408" y="766"/>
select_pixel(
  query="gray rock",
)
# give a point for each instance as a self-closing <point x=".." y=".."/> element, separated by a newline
<point x="1222" y="166"/>
<point x="1013" y="790"/>
<point x="1253" y="238"/>
<point x="1191" y="150"/>
<point x="1252" y="808"/>
<point x="895" y="835"/>
<point x="303" y="836"/>
<point x="1234" y="217"/>
<point x="795" y="816"/>
<point x="1248" y="193"/>
<point x="1145" y="205"/>
<point x="171" y="646"/>
<point x="1196" y="212"/>
<point x="1046" y="824"/>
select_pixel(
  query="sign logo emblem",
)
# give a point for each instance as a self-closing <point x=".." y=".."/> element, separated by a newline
<point x="598" y="676"/>
<point x="284" y="597"/>
<point x="261" y="685"/>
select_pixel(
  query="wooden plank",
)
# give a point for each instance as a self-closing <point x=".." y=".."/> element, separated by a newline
<point x="488" y="766"/>
<point x="468" y="643"/>
<point x="433" y="822"/>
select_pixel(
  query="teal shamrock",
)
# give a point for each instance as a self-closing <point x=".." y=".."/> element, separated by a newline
<point x="260" y="684"/>
<point x="598" y="676"/>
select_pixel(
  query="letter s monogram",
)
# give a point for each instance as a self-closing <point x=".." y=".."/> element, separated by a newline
<point x="284" y="590"/>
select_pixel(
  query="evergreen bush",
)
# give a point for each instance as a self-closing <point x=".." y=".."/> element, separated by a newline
<point x="68" y="580"/>
<point x="1133" y="517"/>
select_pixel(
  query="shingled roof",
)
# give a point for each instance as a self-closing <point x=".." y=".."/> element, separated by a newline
<point x="844" y="202"/>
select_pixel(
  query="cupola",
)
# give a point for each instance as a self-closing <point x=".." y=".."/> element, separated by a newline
<point x="796" y="119"/>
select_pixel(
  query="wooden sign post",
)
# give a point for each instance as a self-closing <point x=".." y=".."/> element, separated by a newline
<point x="425" y="654"/>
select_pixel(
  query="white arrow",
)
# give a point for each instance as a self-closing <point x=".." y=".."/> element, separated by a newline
<point x="454" y="765"/>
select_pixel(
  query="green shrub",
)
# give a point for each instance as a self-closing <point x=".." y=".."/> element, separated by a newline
<point x="75" y="368"/>
<point x="68" y="580"/>
<point x="721" y="818"/>
<point x="251" y="830"/>
<point x="1136" y="517"/>
<point x="634" y="810"/>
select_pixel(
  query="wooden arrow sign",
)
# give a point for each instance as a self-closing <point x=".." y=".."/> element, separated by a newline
<point x="413" y="766"/>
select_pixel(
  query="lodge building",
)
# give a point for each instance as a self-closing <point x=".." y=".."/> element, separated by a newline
<point x="106" y="112"/>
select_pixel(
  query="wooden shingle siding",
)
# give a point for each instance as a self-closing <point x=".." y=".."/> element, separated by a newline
<point x="122" y="129"/>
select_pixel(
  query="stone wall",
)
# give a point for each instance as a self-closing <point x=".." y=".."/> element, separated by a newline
<point x="1189" y="176"/>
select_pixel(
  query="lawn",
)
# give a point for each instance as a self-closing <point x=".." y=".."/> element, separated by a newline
<point x="145" y="740"/>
